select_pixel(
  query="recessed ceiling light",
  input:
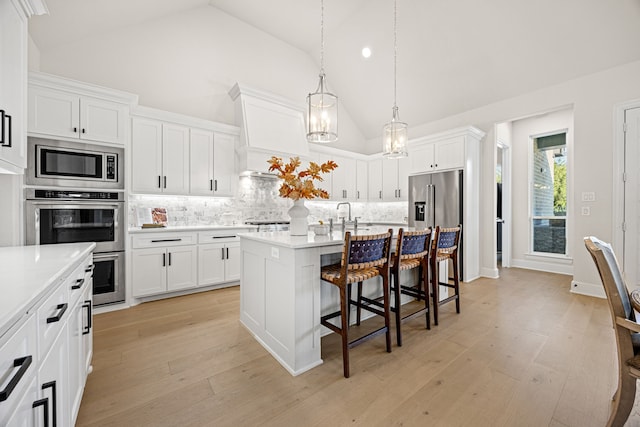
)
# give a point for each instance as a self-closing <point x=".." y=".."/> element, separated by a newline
<point x="366" y="52"/>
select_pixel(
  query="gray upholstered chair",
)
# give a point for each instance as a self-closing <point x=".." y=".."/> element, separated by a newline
<point x="627" y="329"/>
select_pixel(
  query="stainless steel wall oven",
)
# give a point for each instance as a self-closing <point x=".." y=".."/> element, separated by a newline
<point x="57" y="215"/>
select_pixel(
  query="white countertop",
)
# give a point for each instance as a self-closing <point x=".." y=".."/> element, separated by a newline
<point x="170" y="228"/>
<point x="28" y="272"/>
<point x="285" y="239"/>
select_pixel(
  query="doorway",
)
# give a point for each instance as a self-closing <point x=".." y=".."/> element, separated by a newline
<point x="631" y="196"/>
<point x="503" y="204"/>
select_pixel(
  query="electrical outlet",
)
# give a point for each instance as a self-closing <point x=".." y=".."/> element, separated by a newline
<point x="588" y="196"/>
<point x="586" y="210"/>
<point x="275" y="252"/>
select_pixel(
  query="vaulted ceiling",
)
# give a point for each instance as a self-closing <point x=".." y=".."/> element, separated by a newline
<point x="453" y="56"/>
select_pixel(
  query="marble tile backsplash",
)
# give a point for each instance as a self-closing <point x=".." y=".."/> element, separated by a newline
<point x="257" y="199"/>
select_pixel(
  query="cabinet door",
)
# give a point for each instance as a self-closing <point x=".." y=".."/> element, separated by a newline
<point x="13" y="84"/>
<point x="403" y="178"/>
<point x="25" y="415"/>
<point x="148" y="271"/>
<point x="389" y="179"/>
<point x="375" y="180"/>
<point x="54" y="113"/>
<point x="53" y="380"/>
<point x="102" y="120"/>
<point x="361" y="181"/>
<point x="201" y="158"/>
<point x="224" y="165"/>
<point x="343" y="179"/>
<point x="181" y="267"/>
<point x="175" y="159"/>
<point x="422" y="159"/>
<point x="211" y="264"/>
<point x="146" y="163"/>
<point x="87" y="330"/>
<point x="232" y="263"/>
<point x="450" y="153"/>
<point x="76" y="368"/>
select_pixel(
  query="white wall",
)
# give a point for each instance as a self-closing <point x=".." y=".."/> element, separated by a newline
<point x="191" y="72"/>
<point x="11" y="229"/>
<point x="33" y="55"/>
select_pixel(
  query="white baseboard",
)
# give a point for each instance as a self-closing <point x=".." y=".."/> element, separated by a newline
<point x="491" y="273"/>
<point x="550" y="267"/>
<point x="588" y="289"/>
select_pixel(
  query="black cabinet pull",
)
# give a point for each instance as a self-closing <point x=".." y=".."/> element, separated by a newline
<point x="211" y="184"/>
<point x="5" y="143"/>
<point x="24" y="363"/>
<point x="223" y="237"/>
<point x="2" y="127"/>
<point x="43" y="402"/>
<point x="84" y="130"/>
<point x="78" y="284"/>
<point x="380" y="194"/>
<point x="165" y="181"/>
<point x="164" y="260"/>
<point x="57" y="317"/>
<point x="75" y="130"/>
<point x="8" y="144"/>
<point x="222" y="249"/>
<point x="166" y="240"/>
<point x="89" y="268"/>
<point x="169" y="258"/>
<point x="215" y="185"/>
<point x="227" y="253"/>
<point x="52" y="386"/>
<point x="358" y="194"/>
<point x="159" y="181"/>
<point x="89" y="306"/>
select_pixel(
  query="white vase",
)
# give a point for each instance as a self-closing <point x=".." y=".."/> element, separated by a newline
<point x="298" y="213"/>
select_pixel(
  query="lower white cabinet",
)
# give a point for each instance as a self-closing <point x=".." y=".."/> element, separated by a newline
<point x="80" y="346"/>
<point x="163" y="262"/>
<point x="53" y="381"/>
<point x="219" y="262"/>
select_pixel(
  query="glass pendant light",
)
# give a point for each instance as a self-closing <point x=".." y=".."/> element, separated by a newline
<point x="322" y="106"/>
<point x="394" y="133"/>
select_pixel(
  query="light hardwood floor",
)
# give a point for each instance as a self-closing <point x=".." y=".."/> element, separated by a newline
<point x="523" y="352"/>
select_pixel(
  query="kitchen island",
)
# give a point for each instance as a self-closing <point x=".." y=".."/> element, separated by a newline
<point x="281" y="299"/>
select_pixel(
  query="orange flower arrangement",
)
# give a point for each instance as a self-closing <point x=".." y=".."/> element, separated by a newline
<point x="299" y="185"/>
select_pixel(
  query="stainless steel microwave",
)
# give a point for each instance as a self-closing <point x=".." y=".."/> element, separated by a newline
<point x="74" y="164"/>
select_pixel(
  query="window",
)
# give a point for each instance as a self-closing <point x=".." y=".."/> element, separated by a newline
<point x="549" y="194"/>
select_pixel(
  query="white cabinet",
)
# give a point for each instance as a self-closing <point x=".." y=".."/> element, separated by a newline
<point x="163" y="262"/>
<point x="211" y="164"/>
<point x="392" y="180"/>
<point x="53" y="379"/>
<point x="446" y="154"/>
<point x="362" y="181"/>
<point x="160" y="157"/>
<point x="60" y="113"/>
<point x="13" y="87"/>
<point x="218" y="257"/>
<point x="343" y="180"/>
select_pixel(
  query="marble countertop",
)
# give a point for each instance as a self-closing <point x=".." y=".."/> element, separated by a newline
<point x="29" y="272"/>
<point x="285" y="239"/>
<point x="133" y="230"/>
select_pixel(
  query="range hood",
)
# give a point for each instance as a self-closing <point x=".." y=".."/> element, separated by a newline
<point x="269" y="126"/>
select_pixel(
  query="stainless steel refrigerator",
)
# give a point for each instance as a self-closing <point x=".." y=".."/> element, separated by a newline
<point x="436" y="199"/>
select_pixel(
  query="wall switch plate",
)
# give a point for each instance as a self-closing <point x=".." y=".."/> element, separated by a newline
<point x="586" y="210"/>
<point x="275" y="252"/>
<point x="588" y="196"/>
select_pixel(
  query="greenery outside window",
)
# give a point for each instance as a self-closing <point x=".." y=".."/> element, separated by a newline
<point x="549" y="194"/>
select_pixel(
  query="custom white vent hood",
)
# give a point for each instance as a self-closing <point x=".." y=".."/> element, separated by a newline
<point x="269" y="126"/>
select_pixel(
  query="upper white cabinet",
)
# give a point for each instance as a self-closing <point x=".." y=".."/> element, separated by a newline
<point x="13" y="83"/>
<point x="395" y="179"/>
<point x="172" y="157"/>
<point x="446" y="153"/>
<point x="343" y="180"/>
<point x="362" y="180"/>
<point x="375" y="180"/>
<point x="68" y="109"/>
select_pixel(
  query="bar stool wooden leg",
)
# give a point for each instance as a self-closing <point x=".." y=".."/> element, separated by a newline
<point x="425" y="280"/>
<point x="344" y="307"/>
<point x="359" y="302"/>
<point x="434" y="292"/>
<point x="396" y="304"/>
<point x="456" y="286"/>
<point x="386" y="293"/>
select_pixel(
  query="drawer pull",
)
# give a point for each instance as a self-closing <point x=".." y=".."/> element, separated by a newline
<point x="52" y="386"/>
<point x="224" y="237"/>
<point x="43" y="402"/>
<point x="57" y="317"/>
<point x="87" y="329"/>
<point x="166" y="240"/>
<point x="78" y="284"/>
<point x="24" y="363"/>
<point x="89" y="268"/>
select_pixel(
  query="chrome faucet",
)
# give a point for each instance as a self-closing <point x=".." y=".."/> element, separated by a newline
<point x="345" y="203"/>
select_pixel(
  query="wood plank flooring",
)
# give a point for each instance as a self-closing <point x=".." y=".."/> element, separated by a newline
<point x="523" y="352"/>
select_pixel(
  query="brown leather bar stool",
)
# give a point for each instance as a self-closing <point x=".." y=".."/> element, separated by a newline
<point x="363" y="257"/>
<point x="412" y="251"/>
<point x="444" y="248"/>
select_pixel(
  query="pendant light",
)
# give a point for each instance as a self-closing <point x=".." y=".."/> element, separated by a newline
<point x="322" y="106"/>
<point x="394" y="133"/>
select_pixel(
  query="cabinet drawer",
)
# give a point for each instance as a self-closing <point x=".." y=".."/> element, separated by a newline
<point x="219" y="236"/>
<point x="79" y="279"/>
<point x="52" y="315"/>
<point x="18" y="363"/>
<point x="157" y="240"/>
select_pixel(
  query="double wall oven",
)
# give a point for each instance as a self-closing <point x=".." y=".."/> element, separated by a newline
<point x="72" y="197"/>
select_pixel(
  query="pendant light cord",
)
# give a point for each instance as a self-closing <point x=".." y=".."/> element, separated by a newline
<point x="321" y="37"/>
<point x="395" y="55"/>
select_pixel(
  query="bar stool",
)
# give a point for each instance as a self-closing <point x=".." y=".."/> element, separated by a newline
<point x="444" y="248"/>
<point x="363" y="257"/>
